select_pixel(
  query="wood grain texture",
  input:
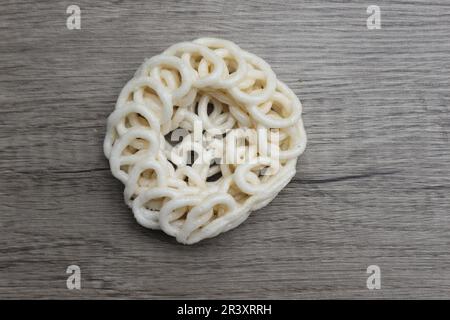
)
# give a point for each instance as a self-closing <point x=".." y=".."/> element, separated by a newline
<point x="371" y="188"/>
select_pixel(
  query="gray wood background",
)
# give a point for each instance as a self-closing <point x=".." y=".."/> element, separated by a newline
<point x="372" y="187"/>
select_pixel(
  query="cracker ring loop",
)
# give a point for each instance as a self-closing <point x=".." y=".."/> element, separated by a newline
<point x="158" y="62"/>
<point x="213" y="77"/>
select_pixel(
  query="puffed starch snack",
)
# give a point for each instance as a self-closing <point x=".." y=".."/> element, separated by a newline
<point x="202" y="135"/>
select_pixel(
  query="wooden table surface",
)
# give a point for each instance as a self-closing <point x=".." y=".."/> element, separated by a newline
<point x="372" y="187"/>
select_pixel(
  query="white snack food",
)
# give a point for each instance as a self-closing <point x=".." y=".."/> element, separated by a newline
<point x="233" y="94"/>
